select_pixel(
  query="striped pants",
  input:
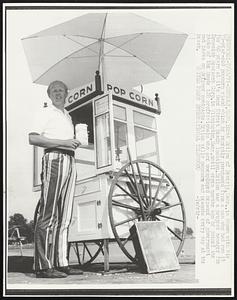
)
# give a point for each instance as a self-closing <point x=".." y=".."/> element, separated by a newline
<point x="51" y="230"/>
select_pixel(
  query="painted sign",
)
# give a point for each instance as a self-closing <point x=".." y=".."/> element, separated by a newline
<point x="79" y="93"/>
<point x="131" y="95"/>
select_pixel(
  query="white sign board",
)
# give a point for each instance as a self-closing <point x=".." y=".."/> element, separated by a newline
<point x="79" y="93"/>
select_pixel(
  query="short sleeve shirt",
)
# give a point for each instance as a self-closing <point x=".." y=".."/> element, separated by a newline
<point x="52" y="123"/>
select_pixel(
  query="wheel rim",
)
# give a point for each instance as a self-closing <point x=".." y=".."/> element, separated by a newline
<point x="143" y="191"/>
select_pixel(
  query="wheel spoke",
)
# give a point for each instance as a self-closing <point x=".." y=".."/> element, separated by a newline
<point x="131" y="180"/>
<point x="100" y="245"/>
<point x="127" y="239"/>
<point x="132" y="184"/>
<point x="125" y="221"/>
<point x="77" y="253"/>
<point x="138" y="194"/>
<point x="83" y="255"/>
<point x="169" y="206"/>
<point x="142" y="183"/>
<point x="87" y="250"/>
<point x="119" y="195"/>
<point x="130" y="195"/>
<point x="123" y="205"/>
<point x="165" y="195"/>
<point x="158" y="189"/>
<point x="178" y="237"/>
<point x="171" y="218"/>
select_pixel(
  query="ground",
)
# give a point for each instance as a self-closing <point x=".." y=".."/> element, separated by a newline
<point x="122" y="272"/>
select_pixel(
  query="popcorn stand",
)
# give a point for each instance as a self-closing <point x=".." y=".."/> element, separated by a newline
<point x="119" y="178"/>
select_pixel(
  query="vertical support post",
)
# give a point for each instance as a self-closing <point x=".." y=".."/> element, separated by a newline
<point x="157" y="99"/>
<point x="98" y="81"/>
<point x="68" y="250"/>
<point x="106" y="255"/>
<point x="77" y="253"/>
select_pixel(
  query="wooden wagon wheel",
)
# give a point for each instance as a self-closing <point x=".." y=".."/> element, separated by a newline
<point x="86" y="252"/>
<point x="142" y="191"/>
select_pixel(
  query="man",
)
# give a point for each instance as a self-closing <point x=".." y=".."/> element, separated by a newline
<point x="54" y="131"/>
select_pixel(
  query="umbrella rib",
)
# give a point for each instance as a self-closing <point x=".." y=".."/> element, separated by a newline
<point x="118" y="47"/>
<point x="133" y="38"/>
<point x="61" y="61"/>
<point x="86" y="56"/>
<point x="138" y="59"/>
<point x="43" y="36"/>
<point x="119" y="56"/>
<point x="80" y="43"/>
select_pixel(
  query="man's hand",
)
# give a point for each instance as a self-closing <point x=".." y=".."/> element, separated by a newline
<point x="41" y="141"/>
<point x="72" y="143"/>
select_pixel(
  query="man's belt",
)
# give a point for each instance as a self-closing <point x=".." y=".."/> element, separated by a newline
<point x="58" y="150"/>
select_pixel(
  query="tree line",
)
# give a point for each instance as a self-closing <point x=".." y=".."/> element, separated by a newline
<point x="25" y="227"/>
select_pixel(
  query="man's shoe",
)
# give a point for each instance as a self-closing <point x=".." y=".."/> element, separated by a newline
<point x="50" y="273"/>
<point x="69" y="271"/>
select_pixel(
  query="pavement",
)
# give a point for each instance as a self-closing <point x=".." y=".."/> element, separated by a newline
<point x="122" y="272"/>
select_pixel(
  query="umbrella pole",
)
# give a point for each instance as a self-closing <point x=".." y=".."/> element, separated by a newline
<point x="101" y="53"/>
<point x="157" y="99"/>
<point x="98" y="81"/>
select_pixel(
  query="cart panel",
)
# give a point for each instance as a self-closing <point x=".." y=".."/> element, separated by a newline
<point x="90" y="186"/>
<point x="90" y="217"/>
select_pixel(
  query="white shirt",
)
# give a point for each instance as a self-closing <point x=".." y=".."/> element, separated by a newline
<point x="52" y="123"/>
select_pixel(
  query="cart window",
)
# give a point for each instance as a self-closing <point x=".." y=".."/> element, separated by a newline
<point x="146" y="144"/>
<point x="144" y="120"/>
<point x="103" y="140"/>
<point x="119" y="113"/>
<point x="120" y="135"/>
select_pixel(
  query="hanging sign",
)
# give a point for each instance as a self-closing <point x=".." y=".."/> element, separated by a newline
<point x="133" y="97"/>
<point x="79" y="93"/>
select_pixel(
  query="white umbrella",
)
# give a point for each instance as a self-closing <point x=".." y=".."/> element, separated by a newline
<point x="127" y="49"/>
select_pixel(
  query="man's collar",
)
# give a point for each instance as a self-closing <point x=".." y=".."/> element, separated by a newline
<point x="51" y="106"/>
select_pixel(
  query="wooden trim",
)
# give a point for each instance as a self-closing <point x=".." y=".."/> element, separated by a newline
<point x="85" y="162"/>
<point x="83" y="100"/>
<point x="123" y="100"/>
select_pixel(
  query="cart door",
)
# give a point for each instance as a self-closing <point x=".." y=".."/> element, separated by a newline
<point x="104" y="133"/>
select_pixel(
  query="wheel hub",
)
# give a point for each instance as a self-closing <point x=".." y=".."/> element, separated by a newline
<point x="153" y="211"/>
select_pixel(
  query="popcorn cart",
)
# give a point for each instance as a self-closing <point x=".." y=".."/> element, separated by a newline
<point x="119" y="178"/>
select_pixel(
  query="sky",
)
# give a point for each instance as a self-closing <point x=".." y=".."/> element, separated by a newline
<point x="176" y="128"/>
